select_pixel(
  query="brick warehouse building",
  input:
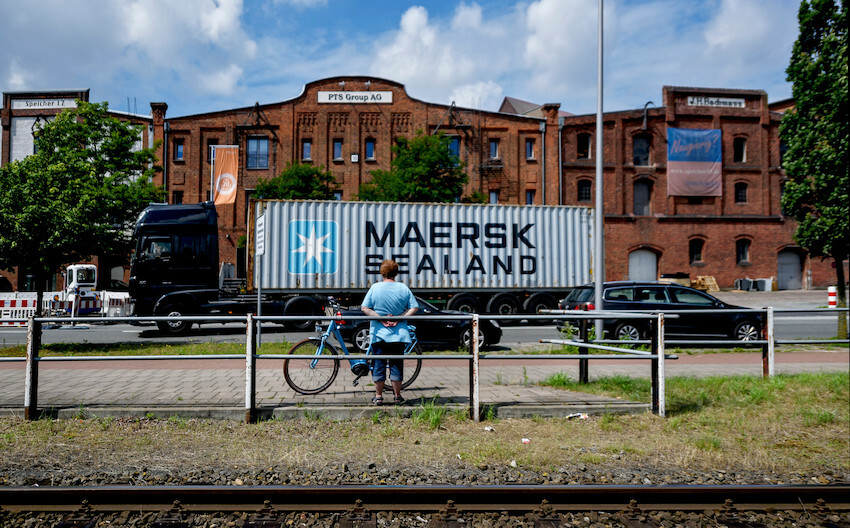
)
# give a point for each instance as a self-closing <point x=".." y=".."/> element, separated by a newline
<point x="526" y="154"/>
<point x="19" y="115"/>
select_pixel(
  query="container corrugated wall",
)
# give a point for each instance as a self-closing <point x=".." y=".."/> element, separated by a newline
<point x="328" y="245"/>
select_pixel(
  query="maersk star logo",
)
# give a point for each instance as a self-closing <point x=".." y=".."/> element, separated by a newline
<point x="312" y="246"/>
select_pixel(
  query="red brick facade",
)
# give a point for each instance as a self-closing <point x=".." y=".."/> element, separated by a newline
<point x="545" y="157"/>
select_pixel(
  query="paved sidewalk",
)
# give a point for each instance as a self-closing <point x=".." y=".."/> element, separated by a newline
<point x="216" y="388"/>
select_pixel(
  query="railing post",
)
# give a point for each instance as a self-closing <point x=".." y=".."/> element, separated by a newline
<point x="474" y="375"/>
<point x="583" y="364"/>
<point x="250" y="371"/>
<point x="660" y="349"/>
<point x="31" y="383"/>
<point x="768" y="350"/>
<point x="657" y="367"/>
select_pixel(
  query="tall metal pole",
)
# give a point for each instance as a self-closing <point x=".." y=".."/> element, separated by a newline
<point x="599" y="254"/>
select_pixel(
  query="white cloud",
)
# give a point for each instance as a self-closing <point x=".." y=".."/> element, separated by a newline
<point x="203" y="55"/>
<point x="220" y="82"/>
<point x="484" y="95"/>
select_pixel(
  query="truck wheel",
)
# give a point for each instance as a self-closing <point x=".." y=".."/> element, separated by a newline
<point x="540" y="301"/>
<point x="464" y="302"/>
<point x="306" y="306"/>
<point x="504" y="304"/>
<point x="174" y="327"/>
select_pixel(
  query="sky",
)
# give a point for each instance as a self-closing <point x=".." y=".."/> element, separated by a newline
<point x="209" y="55"/>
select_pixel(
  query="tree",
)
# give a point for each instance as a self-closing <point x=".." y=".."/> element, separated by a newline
<point x="423" y="169"/>
<point x="78" y="195"/>
<point x="298" y="182"/>
<point x="817" y="132"/>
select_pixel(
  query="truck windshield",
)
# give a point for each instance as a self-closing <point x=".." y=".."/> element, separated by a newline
<point x="85" y="276"/>
<point x="156" y="248"/>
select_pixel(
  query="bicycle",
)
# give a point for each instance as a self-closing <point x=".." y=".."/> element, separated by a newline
<point x="312" y="376"/>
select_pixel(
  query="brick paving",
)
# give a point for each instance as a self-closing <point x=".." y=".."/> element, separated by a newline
<point x="217" y="387"/>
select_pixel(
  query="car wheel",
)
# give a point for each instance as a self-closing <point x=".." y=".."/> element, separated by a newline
<point x="747" y="331"/>
<point x="627" y="332"/>
<point x="361" y="339"/>
<point x="173" y="327"/>
<point x="466" y="338"/>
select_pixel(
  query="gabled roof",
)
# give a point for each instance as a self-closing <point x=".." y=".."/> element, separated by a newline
<point x="512" y="105"/>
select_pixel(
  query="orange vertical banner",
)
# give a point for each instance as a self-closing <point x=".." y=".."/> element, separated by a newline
<point x="225" y="174"/>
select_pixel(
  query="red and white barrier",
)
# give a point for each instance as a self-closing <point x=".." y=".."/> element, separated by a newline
<point x="16" y="309"/>
<point x="832" y="296"/>
<point x="83" y="306"/>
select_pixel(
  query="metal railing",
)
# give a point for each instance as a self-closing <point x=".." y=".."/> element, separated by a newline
<point x="656" y="355"/>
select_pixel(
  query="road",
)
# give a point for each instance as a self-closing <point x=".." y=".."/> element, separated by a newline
<point x="788" y="326"/>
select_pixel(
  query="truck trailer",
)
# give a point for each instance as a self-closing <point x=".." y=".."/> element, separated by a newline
<point x="495" y="259"/>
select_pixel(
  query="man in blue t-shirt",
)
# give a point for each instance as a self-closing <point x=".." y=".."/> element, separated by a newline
<point x="388" y="297"/>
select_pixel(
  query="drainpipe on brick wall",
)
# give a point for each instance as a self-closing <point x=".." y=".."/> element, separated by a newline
<point x="543" y="160"/>
<point x="560" y="163"/>
<point x="165" y="160"/>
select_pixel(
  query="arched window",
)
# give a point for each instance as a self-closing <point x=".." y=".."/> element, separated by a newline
<point x="585" y="193"/>
<point x="640" y="150"/>
<point x="642" y="197"/>
<point x="695" y="249"/>
<point x="742" y="250"/>
<point x="739" y="147"/>
<point x="741" y="192"/>
<point x="583" y="150"/>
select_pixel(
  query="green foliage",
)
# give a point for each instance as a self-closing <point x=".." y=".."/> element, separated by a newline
<point x="298" y="182"/>
<point x="78" y="195"/>
<point x="430" y="413"/>
<point x="817" y="132"/>
<point x="423" y="170"/>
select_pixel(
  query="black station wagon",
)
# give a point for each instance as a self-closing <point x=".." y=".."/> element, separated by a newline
<point x="743" y="324"/>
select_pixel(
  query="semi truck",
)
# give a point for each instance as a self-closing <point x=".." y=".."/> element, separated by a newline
<point x="495" y="259"/>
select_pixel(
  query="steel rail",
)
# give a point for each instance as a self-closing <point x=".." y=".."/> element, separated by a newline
<point x="511" y="498"/>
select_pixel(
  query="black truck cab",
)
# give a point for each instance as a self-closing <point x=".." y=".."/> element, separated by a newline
<point x="175" y="259"/>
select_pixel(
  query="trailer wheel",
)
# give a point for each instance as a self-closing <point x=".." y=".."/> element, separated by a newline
<point x="537" y="302"/>
<point x="504" y="304"/>
<point x="301" y="305"/>
<point x="174" y="327"/>
<point x="464" y="302"/>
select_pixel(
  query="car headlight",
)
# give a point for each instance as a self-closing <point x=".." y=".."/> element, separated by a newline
<point x="495" y="323"/>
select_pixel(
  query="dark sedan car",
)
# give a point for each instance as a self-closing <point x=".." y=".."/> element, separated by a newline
<point x="743" y="324"/>
<point x="431" y="333"/>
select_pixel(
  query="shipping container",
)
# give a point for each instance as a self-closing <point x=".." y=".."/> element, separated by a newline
<point x="332" y="246"/>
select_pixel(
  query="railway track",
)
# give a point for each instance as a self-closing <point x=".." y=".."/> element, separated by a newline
<point x="436" y="506"/>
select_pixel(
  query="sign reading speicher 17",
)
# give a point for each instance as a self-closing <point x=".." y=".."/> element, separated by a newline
<point x="356" y="97"/>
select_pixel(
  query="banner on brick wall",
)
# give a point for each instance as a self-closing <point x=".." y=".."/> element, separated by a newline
<point x="225" y="170"/>
<point x="694" y="162"/>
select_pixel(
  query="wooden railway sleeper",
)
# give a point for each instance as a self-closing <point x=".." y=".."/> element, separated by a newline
<point x="84" y="517"/>
<point x="176" y="517"/>
<point x="358" y="517"/>
<point x="826" y="517"/>
<point x="266" y="517"/>
<point x="545" y="516"/>
<point x="449" y="517"/>
<point x="634" y="517"/>
<point x="730" y="517"/>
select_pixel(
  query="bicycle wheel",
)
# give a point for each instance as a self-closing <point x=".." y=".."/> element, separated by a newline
<point x="311" y="376"/>
<point x="411" y="367"/>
